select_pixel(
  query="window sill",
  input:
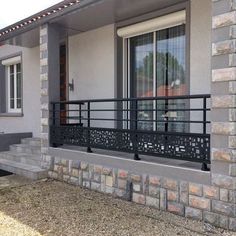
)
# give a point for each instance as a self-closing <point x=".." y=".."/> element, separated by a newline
<point x="11" y="114"/>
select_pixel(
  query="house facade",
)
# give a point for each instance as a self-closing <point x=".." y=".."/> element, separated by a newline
<point x="132" y="98"/>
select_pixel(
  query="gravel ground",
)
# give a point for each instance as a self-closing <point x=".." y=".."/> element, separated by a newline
<point x="54" y="208"/>
<point x="12" y="181"/>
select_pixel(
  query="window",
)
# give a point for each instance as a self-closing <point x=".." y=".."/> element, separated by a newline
<point x="14" y="88"/>
<point x="13" y="84"/>
<point x="156" y="66"/>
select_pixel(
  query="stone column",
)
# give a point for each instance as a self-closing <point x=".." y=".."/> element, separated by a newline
<point x="223" y="114"/>
<point x="50" y="83"/>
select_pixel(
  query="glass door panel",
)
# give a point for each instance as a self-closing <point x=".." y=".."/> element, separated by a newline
<point x="170" y="76"/>
<point x="141" y="68"/>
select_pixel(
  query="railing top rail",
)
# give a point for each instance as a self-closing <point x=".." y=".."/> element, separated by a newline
<point x="77" y="102"/>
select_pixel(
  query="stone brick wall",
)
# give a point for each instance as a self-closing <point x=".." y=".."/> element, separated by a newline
<point x="44" y="81"/>
<point x="49" y="80"/>
<point x="212" y="204"/>
<point x="223" y="95"/>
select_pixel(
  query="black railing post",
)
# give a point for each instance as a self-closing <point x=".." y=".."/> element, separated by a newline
<point x="53" y="114"/>
<point x="166" y="128"/>
<point x="89" y="150"/>
<point x="128" y="106"/>
<point x="204" y="164"/>
<point x="54" y="118"/>
<point x="136" y="155"/>
<point x="166" y="115"/>
<point x="204" y="114"/>
<point x="60" y="114"/>
<point x="80" y="114"/>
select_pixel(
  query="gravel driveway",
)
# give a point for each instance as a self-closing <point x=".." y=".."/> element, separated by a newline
<point x="54" y="208"/>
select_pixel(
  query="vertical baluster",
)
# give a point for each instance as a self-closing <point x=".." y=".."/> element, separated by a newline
<point x="53" y="114"/>
<point x="136" y="155"/>
<point x="53" y="132"/>
<point x="89" y="150"/>
<point x="80" y="115"/>
<point x="156" y="114"/>
<point x="127" y="114"/>
<point x="204" y="164"/>
<point x="166" y="126"/>
<point x="204" y="114"/>
<point x="60" y="114"/>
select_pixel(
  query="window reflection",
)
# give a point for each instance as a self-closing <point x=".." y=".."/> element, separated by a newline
<point x="170" y="80"/>
<point x="170" y="74"/>
<point x="142" y="77"/>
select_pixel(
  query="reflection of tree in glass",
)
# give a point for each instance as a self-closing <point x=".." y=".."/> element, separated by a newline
<point x="146" y="68"/>
<point x="170" y="63"/>
<point x="165" y="62"/>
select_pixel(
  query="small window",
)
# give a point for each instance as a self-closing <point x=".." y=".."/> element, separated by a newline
<point x="14" y="84"/>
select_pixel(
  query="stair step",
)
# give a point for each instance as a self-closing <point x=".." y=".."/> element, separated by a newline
<point x="28" y="171"/>
<point x="31" y="141"/>
<point x="19" y="154"/>
<point x="21" y="157"/>
<point x="25" y="148"/>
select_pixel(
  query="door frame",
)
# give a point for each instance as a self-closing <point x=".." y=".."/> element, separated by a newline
<point x="64" y="43"/>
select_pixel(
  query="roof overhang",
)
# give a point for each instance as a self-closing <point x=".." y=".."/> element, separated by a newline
<point x="79" y="17"/>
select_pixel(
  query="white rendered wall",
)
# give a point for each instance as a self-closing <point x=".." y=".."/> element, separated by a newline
<point x="92" y="66"/>
<point x="200" y="55"/>
<point x="200" y="46"/>
<point x="30" y="121"/>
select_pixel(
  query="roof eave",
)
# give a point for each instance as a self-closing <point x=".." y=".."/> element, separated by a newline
<point x="34" y="24"/>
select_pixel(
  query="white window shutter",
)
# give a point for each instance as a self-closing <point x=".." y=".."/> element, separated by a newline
<point x="156" y="24"/>
<point x="11" y="61"/>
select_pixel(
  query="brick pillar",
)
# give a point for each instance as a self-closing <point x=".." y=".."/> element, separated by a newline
<point x="223" y="105"/>
<point x="50" y="87"/>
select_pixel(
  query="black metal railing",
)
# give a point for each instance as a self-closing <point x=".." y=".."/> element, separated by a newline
<point x="174" y="127"/>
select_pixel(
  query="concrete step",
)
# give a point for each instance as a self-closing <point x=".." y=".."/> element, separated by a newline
<point x="25" y="148"/>
<point x="23" y="158"/>
<point x="31" y="141"/>
<point x="28" y="171"/>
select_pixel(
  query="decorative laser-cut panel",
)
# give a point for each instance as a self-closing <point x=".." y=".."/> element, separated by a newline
<point x="192" y="147"/>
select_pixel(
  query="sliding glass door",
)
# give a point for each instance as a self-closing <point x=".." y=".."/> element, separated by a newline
<point x="170" y="76"/>
<point x="142" y="79"/>
<point x="158" y="68"/>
